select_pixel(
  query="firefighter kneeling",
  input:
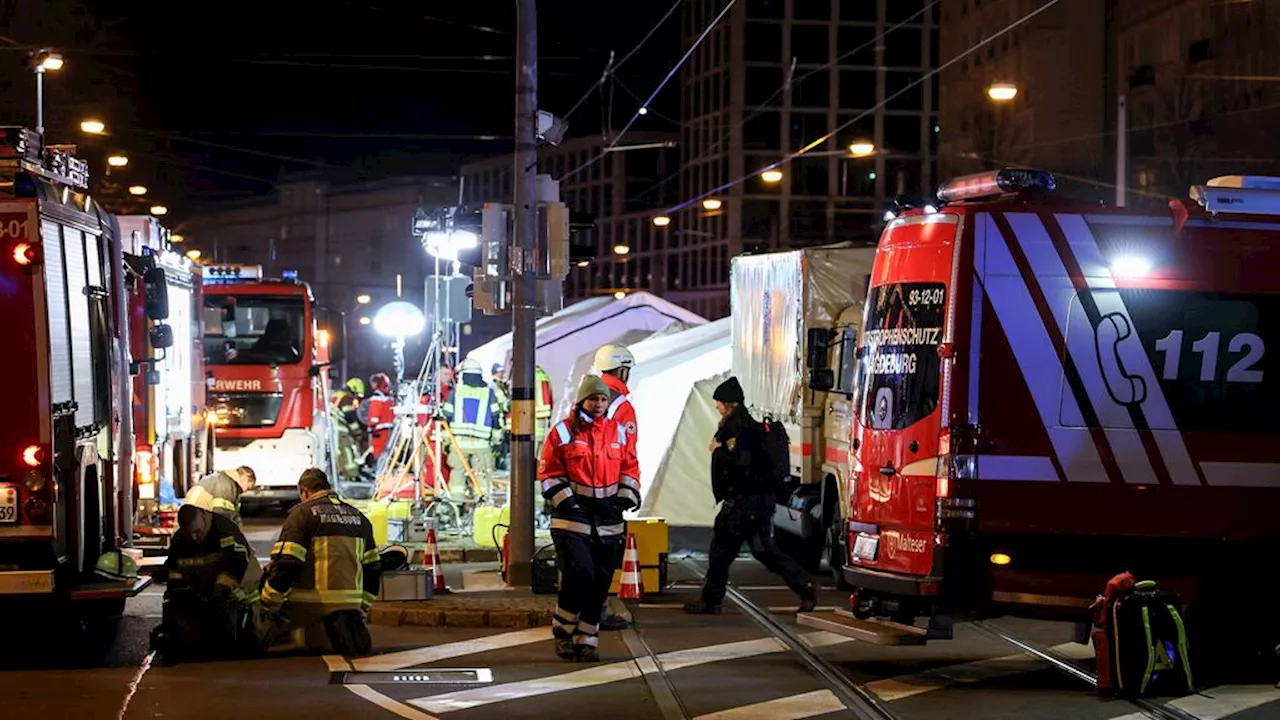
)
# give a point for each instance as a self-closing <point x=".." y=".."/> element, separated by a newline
<point x="324" y="574"/>
<point x="212" y="583"/>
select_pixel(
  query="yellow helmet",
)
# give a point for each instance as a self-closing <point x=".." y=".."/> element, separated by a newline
<point x="614" y="356"/>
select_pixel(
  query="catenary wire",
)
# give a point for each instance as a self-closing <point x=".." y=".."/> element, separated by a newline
<point x="815" y="143"/>
<point x="670" y="74"/>
<point x="789" y="81"/>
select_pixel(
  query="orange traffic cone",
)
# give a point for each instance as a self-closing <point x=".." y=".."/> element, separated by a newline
<point x="632" y="585"/>
<point x="432" y="554"/>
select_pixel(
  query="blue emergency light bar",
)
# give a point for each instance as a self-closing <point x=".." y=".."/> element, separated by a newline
<point x="230" y="273"/>
<point x="289" y="275"/>
<point x="994" y="183"/>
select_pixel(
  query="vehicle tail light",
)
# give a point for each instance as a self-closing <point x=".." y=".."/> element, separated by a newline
<point x="33" y="456"/>
<point x="951" y="511"/>
<point x="145" y="471"/>
<point x="26" y="254"/>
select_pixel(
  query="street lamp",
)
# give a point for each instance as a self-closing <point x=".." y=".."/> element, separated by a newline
<point x="771" y="176"/>
<point x="118" y="161"/>
<point x="363" y="299"/>
<point x="365" y="321"/>
<point x="93" y="127"/>
<point x="619" y="295"/>
<point x="159" y="210"/>
<point x="43" y="61"/>
<point x="661" y="221"/>
<point x="445" y="244"/>
<point x="1002" y="92"/>
<point x="862" y="148"/>
<point x="712" y="204"/>
<point x="137" y="189"/>
<point x="194" y="254"/>
<point x="398" y="320"/>
<point x="176" y="238"/>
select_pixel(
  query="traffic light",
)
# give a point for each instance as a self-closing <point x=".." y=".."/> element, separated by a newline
<point x="580" y="249"/>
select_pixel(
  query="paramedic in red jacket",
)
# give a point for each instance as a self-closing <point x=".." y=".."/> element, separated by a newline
<point x="590" y="475"/>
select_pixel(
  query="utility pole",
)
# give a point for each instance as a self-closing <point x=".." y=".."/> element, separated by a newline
<point x="525" y="301"/>
<point x="1122" y="148"/>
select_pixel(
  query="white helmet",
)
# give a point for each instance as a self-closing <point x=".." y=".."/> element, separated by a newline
<point x="470" y="365"/>
<point x="612" y="357"/>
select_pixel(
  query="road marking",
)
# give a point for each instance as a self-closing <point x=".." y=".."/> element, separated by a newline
<point x="337" y="663"/>
<point x="793" y="609"/>
<point x="905" y="686"/>
<point x="610" y="673"/>
<point x="448" y="651"/>
<point x="796" y="707"/>
<point x="388" y="704"/>
<point x="1219" y="702"/>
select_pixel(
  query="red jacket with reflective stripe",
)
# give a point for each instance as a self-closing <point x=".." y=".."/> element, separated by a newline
<point x="381" y="421"/>
<point x="589" y="476"/>
<point x="620" y="407"/>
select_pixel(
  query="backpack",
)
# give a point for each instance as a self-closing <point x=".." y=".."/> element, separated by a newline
<point x="1148" y="642"/>
<point x="775" y="465"/>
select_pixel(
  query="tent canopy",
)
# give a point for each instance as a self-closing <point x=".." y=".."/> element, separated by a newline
<point x="583" y="327"/>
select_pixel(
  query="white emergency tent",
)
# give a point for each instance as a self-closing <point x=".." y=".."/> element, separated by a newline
<point x="585" y="326"/>
<point x="567" y="387"/>
<point x="671" y="388"/>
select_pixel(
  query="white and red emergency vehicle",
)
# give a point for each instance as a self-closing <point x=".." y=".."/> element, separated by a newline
<point x="173" y="443"/>
<point x="65" y="473"/>
<point x="267" y="348"/>
<point x="1051" y="393"/>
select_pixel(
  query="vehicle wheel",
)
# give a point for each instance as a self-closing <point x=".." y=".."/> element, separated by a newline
<point x="836" y="554"/>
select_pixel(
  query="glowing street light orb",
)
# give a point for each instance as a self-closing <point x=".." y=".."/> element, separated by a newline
<point x="771" y="176"/>
<point x="661" y="221"/>
<point x="712" y="204"/>
<point x="137" y="189"/>
<point x="93" y="127"/>
<point x="399" y="319"/>
<point x="862" y="148"/>
<point x="118" y="161"/>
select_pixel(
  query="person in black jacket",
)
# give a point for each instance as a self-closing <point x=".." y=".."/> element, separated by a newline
<point x="746" y="513"/>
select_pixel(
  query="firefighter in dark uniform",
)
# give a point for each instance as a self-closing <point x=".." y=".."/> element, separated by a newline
<point x="324" y="573"/>
<point x="590" y="475"/>
<point x="223" y="490"/>
<point x="746" y="515"/>
<point x="211" y="578"/>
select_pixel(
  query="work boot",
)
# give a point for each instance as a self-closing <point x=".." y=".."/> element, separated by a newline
<point x="586" y="653"/>
<point x="565" y="649"/>
<point x="701" y="608"/>
<point x="809" y="596"/>
<point x="613" y="622"/>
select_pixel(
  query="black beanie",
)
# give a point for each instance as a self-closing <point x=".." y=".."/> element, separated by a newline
<point x="728" y="391"/>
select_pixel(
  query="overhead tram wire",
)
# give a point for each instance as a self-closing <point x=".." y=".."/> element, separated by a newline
<point x="788" y="81"/>
<point x="612" y="67"/>
<point x="636" y="115"/>
<point x="810" y="146"/>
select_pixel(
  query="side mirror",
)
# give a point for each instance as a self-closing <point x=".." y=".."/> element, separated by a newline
<point x="162" y="337"/>
<point x="822" y="380"/>
<point x="156" y="293"/>
<point x="819" y="343"/>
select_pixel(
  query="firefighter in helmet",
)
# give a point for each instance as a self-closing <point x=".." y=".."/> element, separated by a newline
<point x="211" y="584"/>
<point x="475" y="420"/>
<point x="613" y="363"/>
<point x="342" y="413"/>
<point x="376" y="413"/>
<point x="502" y="446"/>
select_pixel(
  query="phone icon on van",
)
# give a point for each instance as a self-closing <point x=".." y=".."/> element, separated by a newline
<point x="1124" y="387"/>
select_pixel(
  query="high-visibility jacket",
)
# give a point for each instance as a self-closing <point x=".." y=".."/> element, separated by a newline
<point x="620" y="407"/>
<point x="379" y="417"/>
<point x="225" y="493"/>
<point x="544" y="398"/>
<point x="473" y="412"/>
<point x="504" y="403"/>
<point x="224" y="557"/>
<point x="325" y="560"/>
<point x="589" y="475"/>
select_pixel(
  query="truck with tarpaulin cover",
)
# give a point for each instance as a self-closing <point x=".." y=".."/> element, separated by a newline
<point x="795" y="320"/>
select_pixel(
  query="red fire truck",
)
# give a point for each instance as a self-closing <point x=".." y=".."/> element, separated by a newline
<point x="1051" y="393"/>
<point x="268" y="347"/>
<point x="173" y="441"/>
<point x="65" y="455"/>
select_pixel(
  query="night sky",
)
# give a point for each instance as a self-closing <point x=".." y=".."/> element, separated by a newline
<point x="355" y="90"/>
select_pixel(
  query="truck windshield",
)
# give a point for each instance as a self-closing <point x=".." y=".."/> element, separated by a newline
<point x="247" y="410"/>
<point x="898" y="365"/>
<point x="253" y="330"/>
